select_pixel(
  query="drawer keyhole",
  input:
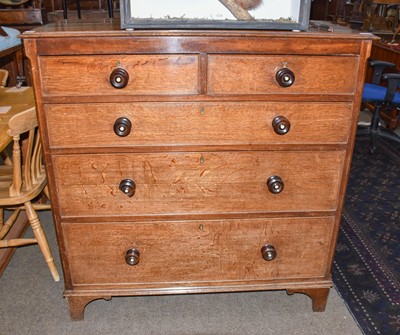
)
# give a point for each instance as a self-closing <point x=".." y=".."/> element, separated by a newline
<point x="122" y="127"/>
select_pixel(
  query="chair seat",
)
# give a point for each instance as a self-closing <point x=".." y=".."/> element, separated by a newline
<point x="374" y="92"/>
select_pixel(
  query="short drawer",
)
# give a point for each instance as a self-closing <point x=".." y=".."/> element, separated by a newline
<point x="147" y="74"/>
<point x="171" y="124"/>
<point x="257" y="74"/>
<point x="173" y="253"/>
<point x="197" y="183"/>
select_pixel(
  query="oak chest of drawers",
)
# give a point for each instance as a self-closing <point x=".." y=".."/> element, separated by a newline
<point x="196" y="161"/>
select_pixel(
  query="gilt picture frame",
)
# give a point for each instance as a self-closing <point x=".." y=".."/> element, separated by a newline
<point x="215" y="14"/>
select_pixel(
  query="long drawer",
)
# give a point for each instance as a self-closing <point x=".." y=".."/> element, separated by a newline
<point x="198" y="251"/>
<point x="231" y="123"/>
<point x="148" y="74"/>
<point x="195" y="183"/>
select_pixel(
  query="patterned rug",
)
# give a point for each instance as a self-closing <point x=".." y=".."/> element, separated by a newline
<point x="366" y="270"/>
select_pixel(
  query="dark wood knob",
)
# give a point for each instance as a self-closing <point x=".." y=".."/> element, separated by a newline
<point x="128" y="187"/>
<point x="122" y="127"/>
<point x="268" y="252"/>
<point x="285" y="77"/>
<point x="132" y="257"/>
<point x="281" y="125"/>
<point x="119" y="78"/>
<point x="275" y="184"/>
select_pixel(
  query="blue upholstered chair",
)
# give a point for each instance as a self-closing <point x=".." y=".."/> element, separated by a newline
<point x="383" y="94"/>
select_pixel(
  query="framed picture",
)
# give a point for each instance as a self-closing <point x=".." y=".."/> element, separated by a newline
<point x="215" y="14"/>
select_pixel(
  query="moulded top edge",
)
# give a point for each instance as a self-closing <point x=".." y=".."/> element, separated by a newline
<point x="112" y="29"/>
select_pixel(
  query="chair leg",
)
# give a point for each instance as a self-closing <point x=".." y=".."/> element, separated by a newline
<point x="5" y="227"/>
<point x="110" y="8"/>
<point x="374" y="128"/>
<point x="41" y="239"/>
<point x="78" y="8"/>
<point x="65" y="10"/>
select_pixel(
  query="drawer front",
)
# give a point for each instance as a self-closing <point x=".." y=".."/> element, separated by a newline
<point x="158" y="124"/>
<point x="195" y="183"/>
<point x="197" y="251"/>
<point x="148" y="74"/>
<point x="237" y="74"/>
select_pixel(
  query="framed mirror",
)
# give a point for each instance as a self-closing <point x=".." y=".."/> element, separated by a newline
<point x="215" y="14"/>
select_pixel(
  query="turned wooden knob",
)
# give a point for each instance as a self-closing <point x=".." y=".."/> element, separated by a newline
<point x="268" y="252"/>
<point x="132" y="257"/>
<point x="275" y="184"/>
<point x="285" y="77"/>
<point x="122" y="127"/>
<point x="281" y="125"/>
<point x="119" y="78"/>
<point x="128" y="187"/>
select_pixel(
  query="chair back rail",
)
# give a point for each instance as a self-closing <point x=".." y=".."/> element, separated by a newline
<point x="25" y="168"/>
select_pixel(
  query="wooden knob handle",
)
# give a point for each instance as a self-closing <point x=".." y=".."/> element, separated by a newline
<point x="268" y="252"/>
<point x="275" y="184"/>
<point x="281" y="125"/>
<point x="132" y="257"/>
<point x="119" y="78"/>
<point x="122" y="127"/>
<point x="128" y="187"/>
<point x="285" y="77"/>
